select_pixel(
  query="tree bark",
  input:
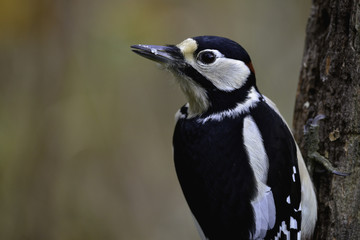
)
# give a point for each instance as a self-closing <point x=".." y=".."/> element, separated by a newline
<point x="330" y="84"/>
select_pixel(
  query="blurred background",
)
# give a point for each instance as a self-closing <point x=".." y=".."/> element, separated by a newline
<point x="86" y="125"/>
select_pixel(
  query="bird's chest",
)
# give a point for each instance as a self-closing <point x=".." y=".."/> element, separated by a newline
<point x="207" y="141"/>
<point x="214" y="173"/>
<point x="211" y="151"/>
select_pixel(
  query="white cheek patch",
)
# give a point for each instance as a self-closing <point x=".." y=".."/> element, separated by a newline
<point x="225" y="73"/>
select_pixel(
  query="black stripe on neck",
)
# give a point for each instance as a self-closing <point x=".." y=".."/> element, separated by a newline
<point x="222" y="100"/>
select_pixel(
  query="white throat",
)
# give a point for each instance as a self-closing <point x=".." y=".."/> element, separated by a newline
<point x="196" y="96"/>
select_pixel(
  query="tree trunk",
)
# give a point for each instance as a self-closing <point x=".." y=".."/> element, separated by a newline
<point x="330" y="85"/>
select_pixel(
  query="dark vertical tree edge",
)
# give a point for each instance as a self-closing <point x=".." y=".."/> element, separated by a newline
<point x="329" y="84"/>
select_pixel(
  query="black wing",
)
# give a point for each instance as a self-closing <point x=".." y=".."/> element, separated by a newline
<point x="283" y="177"/>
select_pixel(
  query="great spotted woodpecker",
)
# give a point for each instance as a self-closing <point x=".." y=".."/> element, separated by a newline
<point x="237" y="162"/>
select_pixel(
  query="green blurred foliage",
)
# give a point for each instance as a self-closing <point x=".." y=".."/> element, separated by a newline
<point x="86" y="125"/>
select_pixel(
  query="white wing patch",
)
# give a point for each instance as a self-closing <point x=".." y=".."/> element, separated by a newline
<point x="256" y="151"/>
<point x="263" y="204"/>
<point x="264" y="213"/>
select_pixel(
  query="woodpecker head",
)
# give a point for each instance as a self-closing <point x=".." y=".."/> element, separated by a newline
<point x="215" y="73"/>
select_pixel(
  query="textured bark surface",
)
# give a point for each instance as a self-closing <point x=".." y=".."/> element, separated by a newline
<point x="330" y="85"/>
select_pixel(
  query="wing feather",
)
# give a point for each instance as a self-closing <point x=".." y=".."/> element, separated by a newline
<point x="263" y="204"/>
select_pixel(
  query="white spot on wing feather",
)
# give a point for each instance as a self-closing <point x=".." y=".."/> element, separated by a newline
<point x="293" y="223"/>
<point x="288" y="199"/>
<point x="294" y="172"/>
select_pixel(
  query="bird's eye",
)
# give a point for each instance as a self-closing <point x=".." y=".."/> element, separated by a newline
<point x="206" y="57"/>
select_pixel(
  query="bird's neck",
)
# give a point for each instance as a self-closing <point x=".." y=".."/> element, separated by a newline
<point x="204" y="102"/>
<point x="221" y="101"/>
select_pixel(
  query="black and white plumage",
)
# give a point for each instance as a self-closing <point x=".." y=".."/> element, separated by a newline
<point x="238" y="165"/>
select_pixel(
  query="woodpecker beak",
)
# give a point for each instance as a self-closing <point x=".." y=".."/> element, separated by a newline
<point x="160" y="54"/>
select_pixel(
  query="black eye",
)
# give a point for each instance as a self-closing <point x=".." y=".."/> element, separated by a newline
<point x="207" y="57"/>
